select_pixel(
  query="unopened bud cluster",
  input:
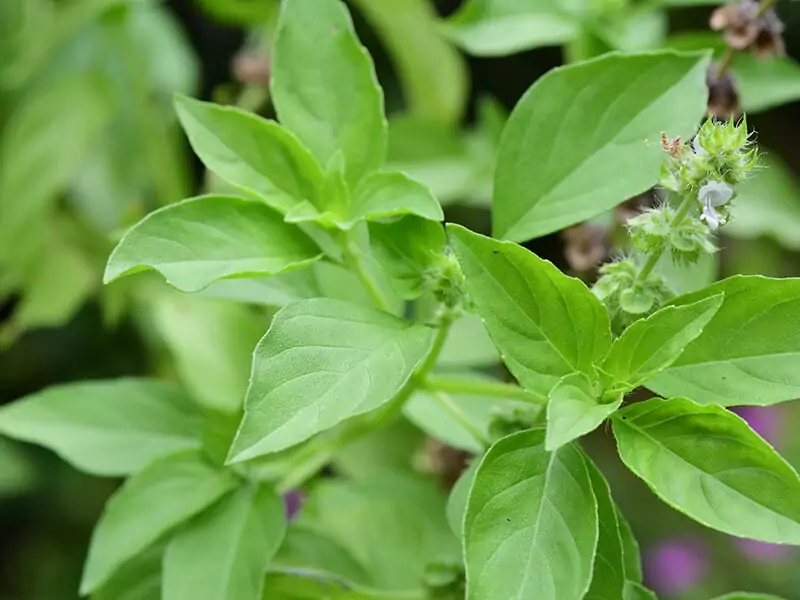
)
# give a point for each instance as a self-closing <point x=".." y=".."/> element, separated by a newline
<point x="703" y="174"/>
<point x="448" y="285"/>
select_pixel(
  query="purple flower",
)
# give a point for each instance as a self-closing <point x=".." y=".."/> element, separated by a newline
<point x="766" y="421"/>
<point x="762" y="551"/>
<point x="292" y="501"/>
<point x="676" y="565"/>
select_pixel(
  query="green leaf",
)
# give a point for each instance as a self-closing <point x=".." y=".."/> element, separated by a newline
<point x="768" y="204"/>
<point x="706" y="462"/>
<point x="633" y="560"/>
<point x="554" y="153"/>
<point x="501" y="27"/>
<point x="212" y="345"/>
<point x="408" y="249"/>
<point x="433" y="74"/>
<point x="137" y="579"/>
<point x="468" y="345"/>
<point x="324" y="86"/>
<point x="545" y="324"/>
<point x="390" y="448"/>
<point x="251" y="153"/>
<point x="277" y="290"/>
<point x="747" y="353"/>
<point x="747" y="596"/>
<point x="223" y="553"/>
<point x="323" y="361"/>
<point x="167" y="492"/>
<point x="652" y="344"/>
<point x="576" y="408"/>
<point x="378" y="519"/>
<point x="766" y="83"/>
<point x="531" y="525"/>
<point x="457" y="501"/>
<point x="201" y="240"/>
<point x="608" y="574"/>
<point x="108" y="428"/>
<point x="636" y="591"/>
<point x="390" y="193"/>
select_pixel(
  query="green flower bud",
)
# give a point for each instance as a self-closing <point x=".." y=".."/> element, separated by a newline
<point x="688" y="239"/>
<point x="448" y="285"/>
<point x="444" y="580"/>
<point x="650" y="230"/>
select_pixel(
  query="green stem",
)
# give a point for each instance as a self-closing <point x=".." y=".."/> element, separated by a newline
<point x="477" y="387"/>
<point x="355" y="259"/>
<point x="445" y="401"/>
<point x="652" y="259"/>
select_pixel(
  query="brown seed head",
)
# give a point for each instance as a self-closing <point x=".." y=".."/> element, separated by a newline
<point x="723" y="97"/>
<point x="746" y="26"/>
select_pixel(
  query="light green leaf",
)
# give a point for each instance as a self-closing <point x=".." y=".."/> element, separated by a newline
<point x="390" y="193"/>
<point x="683" y="279"/>
<point x="554" y="153"/>
<point x="277" y="290"/>
<point x="324" y="86"/>
<point x="212" y="345"/>
<point x="433" y="74"/>
<point x="223" y="553"/>
<point x="408" y="249"/>
<point x="545" y="324"/>
<point x="706" y="462"/>
<point x="468" y="345"/>
<point x="501" y="27"/>
<point x="575" y="408"/>
<point x="201" y="240"/>
<point x="457" y="501"/>
<point x="391" y="448"/>
<point x="305" y="586"/>
<point x="636" y="591"/>
<point x="653" y="344"/>
<point x="163" y="495"/>
<point x="378" y="518"/>
<point x="766" y="83"/>
<point x="633" y="560"/>
<point x="531" y="525"/>
<point x="323" y="361"/>
<point x="608" y="574"/>
<point x="107" y="428"/>
<point x="137" y="579"/>
<point x="747" y="596"/>
<point x="768" y="204"/>
<point x="747" y="353"/>
<point x="251" y="153"/>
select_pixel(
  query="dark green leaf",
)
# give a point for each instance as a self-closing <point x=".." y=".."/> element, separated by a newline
<point x="706" y="462"/>
<point x="545" y="324"/>
<point x="201" y="240"/>
<point x="105" y="427"/>
<point x="138" y="579"/>
<point x="633" y="560"/>
<point x="636" y="591"/>
<point x="608" y="574"/>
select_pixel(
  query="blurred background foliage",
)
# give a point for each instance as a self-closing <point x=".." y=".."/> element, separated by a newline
<point x="89" y="143"/>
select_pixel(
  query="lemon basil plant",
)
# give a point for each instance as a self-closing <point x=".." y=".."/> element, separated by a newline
<point x="382" y="326"/>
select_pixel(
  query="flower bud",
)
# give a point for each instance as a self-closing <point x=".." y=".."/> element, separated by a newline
<point x="650" y="230"/>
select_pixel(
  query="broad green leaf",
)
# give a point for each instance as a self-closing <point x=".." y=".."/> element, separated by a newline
<point x="684" y="279"/>
<point x="501" y="27"/>
<point x="457" y="501"/>
<point x="223" y="553"/>
<point x="636" y="591"/>
<point x="608" y="574"/>
<point x="324" y="86"/>
<point x="576" y="407"/>
<point x="201" y="240"/>
<point x="652" y="344"/>
<point x="390" y="193"/>
<point x="137" y="579"/>
<point x="164" y="494"/>
<point x="633" y="560"/>
<point x="747" y="353"/>
<point x="378" y="519"/>
<point x="323" y="361"/>
<point x="468" y="345"/>
<point x="555" y="156"/>
<point x="251" y="153"/>
<point x="305" y="586"/>
<point x="109" y="428"/>
<point x="766" y="83"/>
<point x="747" y="596"/>
<point x="277" y="290"/>
<point x="531" y="526"/>
<point x="309" y="550"/>
<point x="409" y="249"/>
<point x="768" y="204"/>
<point x="707" y="462"/>
<point x="545" y="324"/>
<point x="56" y="126"/>
<point x="212" y="345"/>
<point x="433" y="74"/>
<point x="391" y="448"/>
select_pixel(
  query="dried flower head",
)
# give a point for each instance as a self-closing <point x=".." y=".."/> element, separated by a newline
<point x="747" y="26"/>
<point x="723" y="96"/>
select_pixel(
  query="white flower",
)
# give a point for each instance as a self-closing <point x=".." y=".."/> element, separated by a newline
<point x="712" y="195"/>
